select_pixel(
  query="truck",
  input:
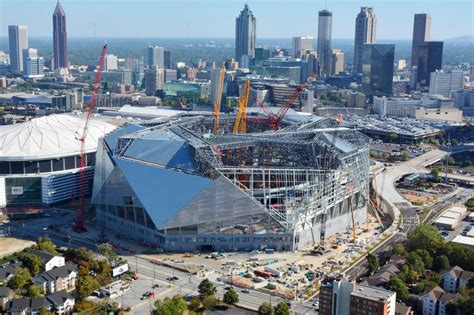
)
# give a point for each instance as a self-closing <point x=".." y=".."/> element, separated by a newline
<point x="262" y="274"/>
<point x="274" y="272"/>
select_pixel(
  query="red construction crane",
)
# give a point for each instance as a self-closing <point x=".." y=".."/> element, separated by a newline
<point x="79" y="223"/>
<point x="276" y="118"/>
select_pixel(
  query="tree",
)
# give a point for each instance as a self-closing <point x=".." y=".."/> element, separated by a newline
<point x="30" y="261"/>
<point x="195" y="304"/>
<point x="265" y="309"/>
<point x="179" y="303"/>
<point x="206" y="288"/>
<point x="373" y="261"/>
<point x="393" y="137"/>
<point x="171" y="306"/>
<point x="35" y="291"/>
<point x="425" y="237"/>
<point x="436" y="171"/>
<point x="405" y="156"/>
<point x="86" y="285"/>
<point x="415" y="262"/>
<point x="44" y="311"/>
<point x="470" y="203"/>
<point x="209" y="302"/>
<point x="107" y="250"/>
<point x="397" y="285"/>
<point x="20" y="279"/>
<point x="441" y="263"/>
<point x="425" y="257"/>
<point x="282" y="309"/>
<point x="45" y="243"/>
<point x="398" y="249"/>
<point x="470" y="282"/>
<point x="466" y="163"/>
<point x="231" y="297"/>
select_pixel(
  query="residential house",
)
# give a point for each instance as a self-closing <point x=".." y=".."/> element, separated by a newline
<point x="58" y="279"/>
<point x="402" y="309"/>
<point x="48" y="260"/>
<point x="382" y="276"/>
<point x="6" y="294"/>
<point x="7" y="271"/>
<point x="60" y="303"/>
<point x="455" y="277"/>
<point x="435" y="300"/>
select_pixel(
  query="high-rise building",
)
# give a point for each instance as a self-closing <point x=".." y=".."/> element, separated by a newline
<point x="430" y="59"/>
<point x="28" y="53"/>
<point x="344" y="298"/>
<point x="464" y="100"/>
<point x="443" y="82"/>
<point x="245" y="34"/>
<point x="421" y="34"/>
<point x="402" y="64"/>
<point x="138" y="70"/>
<point x="337" y="60"/>
<point x="215" y="77"/>
<point x="167" y="61"/>
<point x="356" y="99"/>
<point x="18" y="40"/>
<point x="365" y="29"/>
<point x="110" y="62"/>
<point x="154" y="80"/>
<point x="324" y="42"/>
<point x="60" y="58"/>
<point x="377" y="69"/>
<point x="301" y="45"/>
<point x="261" y="54"/>
<point x="34" y="67"/>
<point x="156" y="56"/>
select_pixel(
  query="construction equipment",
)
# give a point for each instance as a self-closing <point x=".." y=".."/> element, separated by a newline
<point x="240" y="121"/>
<point x="79" y="223"/>
<point x="217" y="101"/>
<point x="276" y="118"/>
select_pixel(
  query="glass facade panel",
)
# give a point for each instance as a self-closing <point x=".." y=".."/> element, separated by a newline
<point x="16" y="167"/>
<point x="70" y="162"/>
<point x="22" y="191"/>
<point x="45" y="166"/>
<point x="31" y="167"/>
<point x="58" y="165"/>
<point x="4" y="167"/>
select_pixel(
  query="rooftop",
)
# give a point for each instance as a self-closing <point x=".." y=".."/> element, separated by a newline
<point x="49" y="137"/>
<point x="372" y="293"/>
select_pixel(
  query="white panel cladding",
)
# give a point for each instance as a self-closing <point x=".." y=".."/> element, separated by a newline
<point x="59" y="187"/>
<point x="3" y="197"/>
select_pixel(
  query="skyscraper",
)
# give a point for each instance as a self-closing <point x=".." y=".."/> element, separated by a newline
<point x="28" y="53"/>
<point x="377" y="69"/>
<point x="154" y="80"/>
<point x="110" y="62"/>
<point x="337" y="61"/>
<point x="245" y="34"/>
<point x="324" y="42"/>
<point x="167" y="61"/>
<point x="60" y="37"/>
<point x="365" y="29"/>
<point x="421" y="34"/>
<point x="18" y="40"/>
<point x="156" y="56"/>
<point x="300" y="45"/>
<point x="430" y="59"/>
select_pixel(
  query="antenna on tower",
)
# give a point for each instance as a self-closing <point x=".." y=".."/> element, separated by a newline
<point x="325" y="4"/>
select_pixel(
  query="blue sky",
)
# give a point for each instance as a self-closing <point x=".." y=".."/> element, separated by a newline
<point x="216" y="18"/>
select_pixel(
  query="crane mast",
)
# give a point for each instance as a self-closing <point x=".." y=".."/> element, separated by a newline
<point x="79" y="223"/>
<point x="240" y="122"/>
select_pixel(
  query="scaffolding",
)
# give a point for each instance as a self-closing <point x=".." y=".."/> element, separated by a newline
<point x="299" y="174"/>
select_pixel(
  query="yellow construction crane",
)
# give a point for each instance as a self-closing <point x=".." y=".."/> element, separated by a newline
<point x="240" y="121"/>
<point x="217" y="101"/>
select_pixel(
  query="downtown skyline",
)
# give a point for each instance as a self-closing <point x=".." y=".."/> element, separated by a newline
<point x="395" y="19"/>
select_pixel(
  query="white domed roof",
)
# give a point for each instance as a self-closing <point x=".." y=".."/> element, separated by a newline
<point x="48" y="137"/>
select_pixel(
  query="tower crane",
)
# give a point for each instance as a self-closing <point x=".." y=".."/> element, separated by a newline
<point x="79" y="223"/>
<point x="277" y="118"/>
<point x="217" y="101"/>
<point x="240" y="121"/>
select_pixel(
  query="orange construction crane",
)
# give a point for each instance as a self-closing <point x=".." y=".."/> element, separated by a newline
<point x="241" y="119"/>
<point x="217" y="101"/>
<point x="79" y="223"/>
<point x="276" y="118"/>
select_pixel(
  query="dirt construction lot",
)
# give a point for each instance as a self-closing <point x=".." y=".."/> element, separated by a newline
<point x="11" y="245"/>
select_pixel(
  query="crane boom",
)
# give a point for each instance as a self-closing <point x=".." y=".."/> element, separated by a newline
<point x="79" y="223"/>
<point x="240" y="121"/>
<point x="217" y="101"/>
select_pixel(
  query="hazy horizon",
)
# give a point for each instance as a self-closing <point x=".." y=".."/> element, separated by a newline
<point x="212" y="19"/>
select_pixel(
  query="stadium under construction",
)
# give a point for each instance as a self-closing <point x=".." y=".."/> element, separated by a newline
<point x="179" y="186"/>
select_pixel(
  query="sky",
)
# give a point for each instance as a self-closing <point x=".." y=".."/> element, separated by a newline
<point x="216" y="18"/>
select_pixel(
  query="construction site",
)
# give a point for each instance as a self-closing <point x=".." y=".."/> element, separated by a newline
<point x="233" y="182"/>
